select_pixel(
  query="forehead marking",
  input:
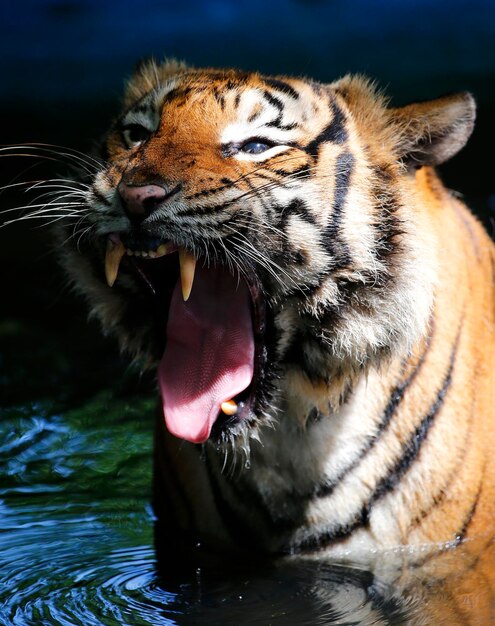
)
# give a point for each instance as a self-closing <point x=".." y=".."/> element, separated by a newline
<point x="335" y="131"/>
<point x="261" y="113"/>
<point x="281" y="85"/>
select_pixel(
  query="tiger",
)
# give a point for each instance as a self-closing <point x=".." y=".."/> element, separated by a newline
<point x="318" y="308"/>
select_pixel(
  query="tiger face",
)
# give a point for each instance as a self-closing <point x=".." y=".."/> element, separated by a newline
<point x="260" y="240"/>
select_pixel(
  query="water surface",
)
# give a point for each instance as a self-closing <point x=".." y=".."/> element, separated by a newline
<point x="76" y="545"/>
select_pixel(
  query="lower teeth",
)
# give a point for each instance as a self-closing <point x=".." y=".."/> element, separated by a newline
<point x="229" y="407"/>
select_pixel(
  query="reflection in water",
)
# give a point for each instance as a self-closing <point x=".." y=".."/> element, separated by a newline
<point x="77" y="535"/>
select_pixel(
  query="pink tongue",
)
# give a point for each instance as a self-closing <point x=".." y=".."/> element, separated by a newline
<point x="209" y="356"/>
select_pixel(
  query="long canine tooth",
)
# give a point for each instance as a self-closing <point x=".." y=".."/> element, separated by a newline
<point x="187" y="264"/>
<point x="229" y="407"/>
<point x="113" y="257"/>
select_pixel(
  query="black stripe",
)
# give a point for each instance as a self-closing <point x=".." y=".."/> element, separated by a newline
<point x="291" y="253"/>
<point x="344" y="168"/>
<point x="282" y="86"/>
<point x="410" y="452"/>
<point x="413" y="446"/>
<point x="310" y="289"/>
<point x="255" y="114"/>
<point x="334" y="132"/>
<point x="220" y="98"/>
<point x="388" y="227"/>
<point x="308" y="351"/>
<point x="201" y="210"/>
<point x="142" y="108"/>
<point x="208" y="192"/>
<point x="299" y="172"/>
<point x="396" y="397"/>
<point x="279" y="105"/>
<point x="265" y="202"/>
<point x="269" y="176"/>
<point x="299" y="208"/>
<point x="178" y="93"/>
<point x="331" y="235"/>
<point x="461" y="535"/>
<point x="454" y="474"/>
<point x="472" y="566"/>
<point x="314" y="416"/>
<point x="274" y="101"/>
<point x="277" y="123"/>
<point x="389" y="230"/>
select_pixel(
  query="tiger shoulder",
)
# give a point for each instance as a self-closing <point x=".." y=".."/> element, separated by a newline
<point x="318" y="307"/>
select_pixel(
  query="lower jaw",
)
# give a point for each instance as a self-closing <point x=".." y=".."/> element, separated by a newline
<point x="225" y="426"/>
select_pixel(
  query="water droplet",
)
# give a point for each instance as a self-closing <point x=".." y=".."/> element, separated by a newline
<point x="247" y="464"/>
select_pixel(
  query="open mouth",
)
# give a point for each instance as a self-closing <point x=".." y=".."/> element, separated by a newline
<point x="212" y="322"/>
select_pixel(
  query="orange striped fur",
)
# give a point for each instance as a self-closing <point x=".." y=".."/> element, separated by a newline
<point x="372" y="423"/>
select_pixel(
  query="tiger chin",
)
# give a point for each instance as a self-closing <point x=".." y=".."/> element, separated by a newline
<point x="318" y="307"/>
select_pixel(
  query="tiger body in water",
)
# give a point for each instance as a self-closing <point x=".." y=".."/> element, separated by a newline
<point x="319" y="307"/>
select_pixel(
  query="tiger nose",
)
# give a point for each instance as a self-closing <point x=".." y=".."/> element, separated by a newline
<point x="139" y="201"/>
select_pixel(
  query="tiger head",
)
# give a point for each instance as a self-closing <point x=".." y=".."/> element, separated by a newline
<point x="260" y="239"/>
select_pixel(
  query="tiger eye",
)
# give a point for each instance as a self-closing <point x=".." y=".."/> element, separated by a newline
<point x="135" y="133"/>
<point x="254" y="147"/>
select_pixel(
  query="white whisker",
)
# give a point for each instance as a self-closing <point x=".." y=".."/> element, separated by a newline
<point x="43" y="205"/>
<point x="88" y="164"/>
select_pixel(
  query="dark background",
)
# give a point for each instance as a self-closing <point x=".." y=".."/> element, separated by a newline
<point x="63" y="64"/>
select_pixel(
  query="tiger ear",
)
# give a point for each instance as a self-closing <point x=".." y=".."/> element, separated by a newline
<point x="432" y="132"/>
<point x="149" y="74"/>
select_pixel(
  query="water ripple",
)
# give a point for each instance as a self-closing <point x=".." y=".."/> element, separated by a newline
<point x="77" y="532"/>
<point x="74" y="575"/>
